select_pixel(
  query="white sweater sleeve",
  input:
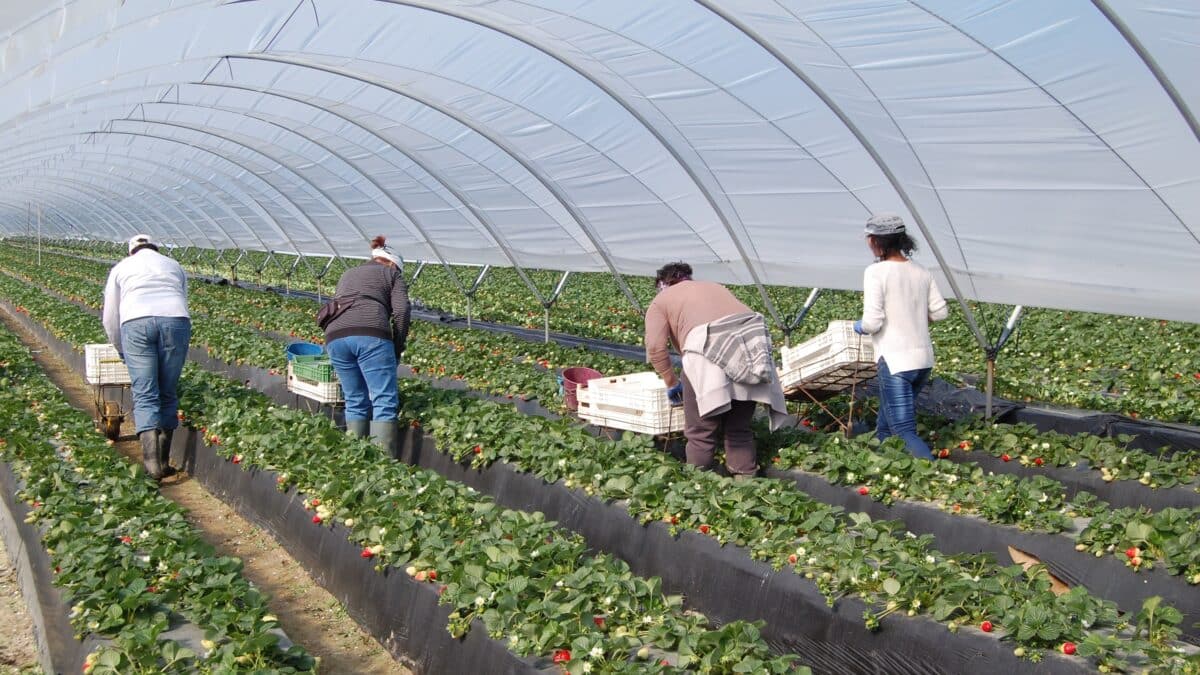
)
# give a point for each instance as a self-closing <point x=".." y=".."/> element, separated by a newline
<point x="112" y="309"/>
<point x="873" y="315"/>
<point x="937" y="304"/>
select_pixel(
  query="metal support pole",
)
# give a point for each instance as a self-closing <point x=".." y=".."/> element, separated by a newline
<point x="39" y="225"/>
<point x="991" y="375"/>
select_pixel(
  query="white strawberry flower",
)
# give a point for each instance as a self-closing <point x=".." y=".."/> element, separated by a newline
<point x="597" y="652"/>
<point x="647" y="620"/>
<point x="479" y="601"/>
<point x="558" y="584"/>
<point x="930" y="559"/>
<point x="587" y="667"/>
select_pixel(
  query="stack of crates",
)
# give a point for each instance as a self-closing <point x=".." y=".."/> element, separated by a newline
<point x="103" y="365"/>
<point x="636" y="402"/>
<point x="833" y="361"/>
<point x="313" y="377"/>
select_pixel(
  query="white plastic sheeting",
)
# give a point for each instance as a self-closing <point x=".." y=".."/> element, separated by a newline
<point x="1048" y="150"/>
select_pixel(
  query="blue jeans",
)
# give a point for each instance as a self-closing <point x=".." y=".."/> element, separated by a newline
<point x="897" y="407"/>
<point x="366" y="367"/>
<point x="155" y="349"/>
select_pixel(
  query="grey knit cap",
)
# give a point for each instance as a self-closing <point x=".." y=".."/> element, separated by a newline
<point x="885" y="223"/>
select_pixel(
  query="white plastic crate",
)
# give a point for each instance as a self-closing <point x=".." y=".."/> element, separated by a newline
<point x="833" y="361"/>
<point x="103" y="365"/>
<point x="321" y="392"/>
<point x="838" y="336"/>
<point x="636" y="402"/>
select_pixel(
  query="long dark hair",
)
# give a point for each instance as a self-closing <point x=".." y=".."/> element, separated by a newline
<point x="886" y="245"/>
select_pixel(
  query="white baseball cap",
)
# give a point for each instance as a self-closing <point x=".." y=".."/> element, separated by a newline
<point x="142" y="240"/>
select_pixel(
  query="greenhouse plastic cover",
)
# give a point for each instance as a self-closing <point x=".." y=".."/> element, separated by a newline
<point x="1046" y="153"/>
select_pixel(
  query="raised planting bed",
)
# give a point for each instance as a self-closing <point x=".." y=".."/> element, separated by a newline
<point x="147" y="594"/>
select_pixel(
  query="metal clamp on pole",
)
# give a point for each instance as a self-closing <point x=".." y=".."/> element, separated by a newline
<point x="549" y="302"/>
<point x="321" y="275"/>
<point x="795" y="323"/>
<point x="262" y="268"/>
<point x="234" y="266"/>
<point x="417" y="272"/>
<point x="993" y="351"/>
<point x="470" y="293"/>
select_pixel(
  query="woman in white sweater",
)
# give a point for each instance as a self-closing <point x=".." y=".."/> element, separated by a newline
<point x="900" y="298"/>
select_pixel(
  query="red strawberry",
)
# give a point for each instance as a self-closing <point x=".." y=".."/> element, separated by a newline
<point x="317" y="520"/>
<point x="1131" y="552"/>
<point x="704" y="529"/>
<point x="433" y="575"/>
<point x="964" y="445"/>
<point x="599" y="621"/>
<point x="237" y="459"/>
<point x="864" y="490"/>
<point x="1068" y="648"/>
<point x="1006" y="457"/>
<point x="366" y="553"/>
<point x="792" y="559"/>
<point x="943" y="453"/>
<point x="126" y="540"/>
<point x="477" y="449"/>
<point x="986" y="626"/>
<point x="1039" y="461"/>
<point x="674" y="520"/>
<point x="561" y="656"/>
<point x="315" y="502"/>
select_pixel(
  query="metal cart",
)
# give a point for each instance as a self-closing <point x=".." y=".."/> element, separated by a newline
<point x="109" y="377"/>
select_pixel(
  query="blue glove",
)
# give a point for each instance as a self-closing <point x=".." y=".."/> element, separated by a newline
<point x="675" y="394"/>
<point x="858" y="327"/>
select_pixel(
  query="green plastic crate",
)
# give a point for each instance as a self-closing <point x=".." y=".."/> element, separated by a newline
<point x="313" y="369"/>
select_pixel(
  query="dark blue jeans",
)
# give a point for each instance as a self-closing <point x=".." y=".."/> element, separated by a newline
<point x="366" y="367"/>
<point x="897" y="407"/>
<point x="155" y="349"/>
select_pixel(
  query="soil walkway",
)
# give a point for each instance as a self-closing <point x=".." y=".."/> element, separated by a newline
<point x="307" y="613"/>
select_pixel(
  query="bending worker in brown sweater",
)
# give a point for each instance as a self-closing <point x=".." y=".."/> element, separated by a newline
<point x="727" y="365"/>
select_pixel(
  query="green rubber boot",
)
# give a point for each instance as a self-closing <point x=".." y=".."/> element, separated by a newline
<point x="149" y="439"/>
<point x="165" y="436"/>
<point x="358" y="428"/>
<point x="383" y="434"/>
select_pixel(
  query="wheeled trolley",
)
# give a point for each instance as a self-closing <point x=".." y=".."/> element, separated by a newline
<point x="109" y="377"/>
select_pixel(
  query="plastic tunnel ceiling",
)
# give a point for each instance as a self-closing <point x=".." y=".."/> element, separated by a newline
<point x="1047" y="153"/>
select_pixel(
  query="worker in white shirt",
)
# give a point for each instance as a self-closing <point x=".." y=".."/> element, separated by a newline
<point x="146" y="318"/>
<point x="900" y="298"/>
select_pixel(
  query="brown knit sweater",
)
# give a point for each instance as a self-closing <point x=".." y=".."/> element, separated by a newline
<point x="679" y="309"/>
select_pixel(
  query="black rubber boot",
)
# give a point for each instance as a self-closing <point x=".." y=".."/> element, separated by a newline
<point x="383" y="434"/>
<point x="165" y="436"/>
<point x="150" y="460"/>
